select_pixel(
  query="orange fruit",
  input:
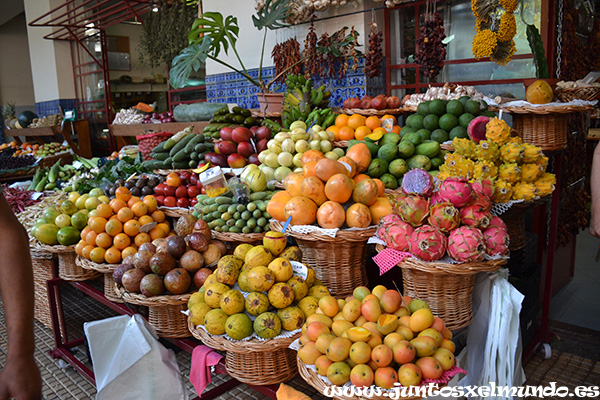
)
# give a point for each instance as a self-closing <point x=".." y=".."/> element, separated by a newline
<point x="125" y="214"/>
<point x="389" y="116"/>
<point x="112" y="256"/>
<point x="84" y="232"/>
<point x="97" y="255"/>
<point x="158" y="216"/>
<point x="356" y="120"/>
<point x="131" y="227"/>
<point x="173" y="180"/>
<point x="97" y="224"/>
<point x="85" y="252"/>
<point x="79" y="247"/>
<point x="104" y="211"/>
<point x="113" y="217"/>
<point x="335" y="130"/>
<point x="121" y="241"/>
<point x="139" y="209"/>
<point x="157" y="233"/>
<point x="165" y="227"/>
<point x="346" y="133"/>
<point x="128" y="251"/>
<point x="90" y="238"/>
<point x="341" y="120"/>
<point x="104" y="240"/>
<point x="132" y="200"/>
<point x="151" y="203"/>
<point x="114" y="227"/>
<point x="372" y="122"/>
<point x="361" y="132"/>
<point x="122" y="193"/>
<point x="396" y="129"/>
<point x="142" y="238"/>
<point x="145" y="219"/>
<point x="117" y="204"/>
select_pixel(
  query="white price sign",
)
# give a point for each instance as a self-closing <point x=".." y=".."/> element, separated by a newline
<point x="299" y="269"/>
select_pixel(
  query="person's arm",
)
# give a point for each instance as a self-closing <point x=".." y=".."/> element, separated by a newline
<point x="20" y="378"/>
<point x="595" y="189"/>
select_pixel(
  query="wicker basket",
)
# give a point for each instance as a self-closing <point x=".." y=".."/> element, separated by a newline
<point x="339" y="262"/>
<point x="253" y="361"/>
<point x="340" y="143"/>
<point x="232" y="240"/>
<point x="67" y="268"/>
<point x="175" y="212"/>
<point x="447" y="288"/>
<point x="164" y="312"/>
<point x="44" y="269"/>
<point x="372" y="111"/>
<point x="514" y="218"/>
<point x="589" y="93"/>
<point x="107" y="270"/>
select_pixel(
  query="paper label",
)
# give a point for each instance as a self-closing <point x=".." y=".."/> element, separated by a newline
<point x="230" y="106"/>
<point x="77" y="164"/>
<point x="36" y="195"/>
<point x="299" y="269"/>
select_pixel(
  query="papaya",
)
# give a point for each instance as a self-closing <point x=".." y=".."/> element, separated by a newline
<point x="314" y="188"/>
<point x="276" y="205"/>
<point x="349" y="164"/>
<point x="358" y="215"/>
<point x="339" y="188"/>
<point x="380" y="208"/>
<point x="539" y="92"/>
<point x="365" y="192"/>
<point x="292" y="183"/>
<point x="326" y="168"/>
<point x="361" y="155"/>
<point x="311" y="155"/>
<point x="331" y="215"/>
<point x="302" y="210"/>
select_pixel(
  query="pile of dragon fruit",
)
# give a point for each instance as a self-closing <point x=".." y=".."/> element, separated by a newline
<point x="453" y="219"/>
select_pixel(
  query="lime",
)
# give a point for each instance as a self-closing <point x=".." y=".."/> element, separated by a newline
<point x="73" y="196"/>
<point x="91" y="203"/>
<point x="458" y="132"/>
<point x="387" y="152"/>
<point x="454" y="107"/>
<point x="431" y="122"/>
<point x="104" y="199"/>
<point x="34" y="228"/>
<point x="463" y="100"/>
<point x="97" y="192"/>
<point x="413" y="137"/>
<point x="439" y="135"/>
<point x="46" y="234"/>
<point x="62" y="220"/>
<point x="50" y="214"/>
<point x="406" y="149"/>
<point x="68" y="235"/>
<point x="448" y="121"/>
<point x="79" y="220"/>
<point x="80" y="202"/>
<point x="415" y="121"/>
<point x="389" y="181"/>
<point x="464" y="120"/>
<point x="41" y="221"/>
<point x="398" y="167"/>
<point x="437" y="107"/>
<point x="472" y="107"/>
<point x="488" y="113"/>
<point x="405" y="130"/>
<point x="423" y="108"/>
<point x="377" y="168"/>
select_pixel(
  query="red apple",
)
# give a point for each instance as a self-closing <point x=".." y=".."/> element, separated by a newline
<point x="241" y="134"/>
<point x="253" y="129"/>
<point x="236" y="161"/>
<point x="181" y="191"/>
<point x="160" y="189"/>
<point x="160" y="200"/>
<point x="201" y="275"/>
<point x="185" y="176"/>
<point x="253" y="159"/>
<point x="170" y="201"/>
<point x="226" y="148"/>
<point x="393" y="102"/>
<point x="193" y="191"/>
<point x="226" y="133"/>
<point x="366" y="97"/>
<point x="183" y="202"/>
<point x="245" y="149"/>
<point x="263" y="133"/>
<point x="193" y="201"/>
<point x="169" y="191"/>
<point x="379" y="102"/>
<point x="194" y="178"/>
<point x="262" y="145"/>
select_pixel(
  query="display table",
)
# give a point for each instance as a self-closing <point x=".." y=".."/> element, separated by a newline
<point x="125" y="132"/>
<point x="83" y="147"/>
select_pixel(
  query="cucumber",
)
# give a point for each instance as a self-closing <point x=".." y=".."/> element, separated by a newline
<point x="216" y="214"/>
<point x="240" y="223"/>
<point x="201" y="147"/>
<point x="181" y="156"/>
<point x="160" y="148"/>
<point x="181" y="144"/>
<point x="160" y="156"/>
<point x="209" y="200"/>
<point x="223" y="208"/>
<point x="154" y="164"/>
<point x="257" y="214"/>
<point x="168" y="162"/>
<point x="168" y="144"/>
<point x="234" y="229"/>
<point x="262" y="206"/>
<point x="181" y="164"/>
<point x="251" y="207"/>
<point x="258" y="229"/>
<point x="223" y="200"/>
<point x="258" y="196"/>
<point x="198" y="138"/>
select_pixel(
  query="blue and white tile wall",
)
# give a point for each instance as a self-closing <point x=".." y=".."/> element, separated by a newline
<point x="45" y="108"/>
<point x="234" y="88"/>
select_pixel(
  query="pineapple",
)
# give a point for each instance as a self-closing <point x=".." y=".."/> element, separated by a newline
<point x="531" y="172"/>
<point x="502" y="191"/>
<point x="512" y="153"/>
<point x="485" y="170"/>
<point x="8" y="113"/>
<point x="544" y="187"/>
<point x="497" y="131"/>
<point x="509" y="172"/>
<point x="457" y="165"/>
<point x="531" y="153"/>
<point x="543" y="162"/>
<point x="487" y="151"/>
<point x="524" y="191"/>
<point x="464" y="147"/>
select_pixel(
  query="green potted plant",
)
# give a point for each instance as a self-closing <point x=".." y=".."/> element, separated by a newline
<point x="542" y="71"/>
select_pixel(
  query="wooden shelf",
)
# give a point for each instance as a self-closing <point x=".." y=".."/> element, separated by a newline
<point x="138" y="87"/>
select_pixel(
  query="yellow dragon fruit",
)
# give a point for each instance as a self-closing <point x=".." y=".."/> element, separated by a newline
<point x="464" y="147"/>
<point x="542" y="161"/>
<point x="487" y="151"/>
<point x="485" y="170"/>
<point x="547" y="177"/>
<point x="443" y="174"/>
<point x="497" y="131"/>
<point x="524" y="191"/>
<point x="457" y="165"/>
<point x="512" y="153"/>
<point x="502" y="191"/>
<point x="509" y="172"/>
<point x="515" y="139"/>
<point x="531" y="153"/>
<point x="531" y="172"/>
<point x="544" y="187"/>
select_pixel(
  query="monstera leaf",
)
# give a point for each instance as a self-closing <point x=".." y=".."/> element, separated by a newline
<point x="222" y="31"/>
<point x="189" y="60"/>
<point x="271" y="15"/>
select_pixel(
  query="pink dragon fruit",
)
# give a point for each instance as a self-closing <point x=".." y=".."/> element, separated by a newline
<point x="457" y="191"/>
<point x="396" y="236"/>
<point x="484" y="186"/>
<point x="417" y="181"/>
<point x="436" y="199"/>
<point x="412" y="209"/>
<point x="481" y="200"/>
<point x="496" y="241"/>
<point x="384" y="223"/>
<point x="477" y="128"/>
<point x="466" y="244"/>
<point x="476" y="216"/>
<point x="498" y="223"/>
<point x="428" y="243"/>
<point x="444" y="216"/>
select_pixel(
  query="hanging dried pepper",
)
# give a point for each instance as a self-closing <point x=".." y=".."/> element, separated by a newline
<point x="374" y="57"/>
<point x="311" y="64"/>
<point x="432" y="50"/>
<point x="284" y="56"/>
<point x="326" y="60"/>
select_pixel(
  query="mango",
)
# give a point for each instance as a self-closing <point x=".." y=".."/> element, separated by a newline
<point x="351" y="310"/>
<point x="424" y="345"/>
<point x="371" y="310"/>
<point x="420" y="320"/>
<point x="329" y="306"/>
<point x="360" y="353"/>
<point x="359" y="334"/>
<point x="341" y="326"/>
<point x="339" y="349"/>
<point x="387" y="324"/>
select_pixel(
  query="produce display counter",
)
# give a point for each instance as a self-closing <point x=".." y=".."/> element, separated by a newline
<point x="83" y="147"/>
<point x="125" y="132"/>
<point x="63" y="347"/>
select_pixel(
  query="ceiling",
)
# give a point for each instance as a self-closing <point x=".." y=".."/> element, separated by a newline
<point x="10" y="9"/>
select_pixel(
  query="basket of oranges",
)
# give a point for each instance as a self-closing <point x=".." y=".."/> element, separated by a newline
<point x="361" y="127"/>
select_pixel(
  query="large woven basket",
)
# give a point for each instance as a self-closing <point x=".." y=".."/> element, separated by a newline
<point x="514" y="218"/>
<point x="253" y="361"/>
<point x="232" y="240"/>
<point x="106" y="270"/>
<point x="175" y="212"/>
<point x="339" y="262"/>
<point x="67" y="268"/>
<point x="367" y="112"/>
<point x="44" y="269"/>
<point x="447" y="288"/>
<point x="164" y="312"/>
<point x="589" y="93"/>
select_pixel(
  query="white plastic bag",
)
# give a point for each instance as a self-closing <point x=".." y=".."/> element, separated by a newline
<point x="493" y="341"/>
<point x="130" y="363"/>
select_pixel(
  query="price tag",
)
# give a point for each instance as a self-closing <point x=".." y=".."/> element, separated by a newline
<point x="230" y="106"/>
<point x="77" y="164"/>
<point x="36" y="195"/>
<point x="299" y="269"/>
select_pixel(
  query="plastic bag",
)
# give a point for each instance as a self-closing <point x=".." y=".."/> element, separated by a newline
<point x="130" y="363"/>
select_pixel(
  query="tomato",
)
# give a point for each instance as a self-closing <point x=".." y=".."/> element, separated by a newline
<point x="194" y="178"/>
<point x="202" y="190"/>
<point x="185" y="176"/>
<point x="160" y="200"/>
<point x="193" y="191"/>
<point x="160" y="189"/>
<point x="193" y="201"/>
<point x="169" y="191"/>
<point x="183" y="202"/>
<point x="181" y="191"/>
<point x="170" y="201"/>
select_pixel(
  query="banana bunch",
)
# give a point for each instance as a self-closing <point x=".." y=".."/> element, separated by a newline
<point x="302" y="101"/>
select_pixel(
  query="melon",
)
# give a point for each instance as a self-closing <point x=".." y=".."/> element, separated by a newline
<point x="26" y="118"/>
<point x="539" y="92"/>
